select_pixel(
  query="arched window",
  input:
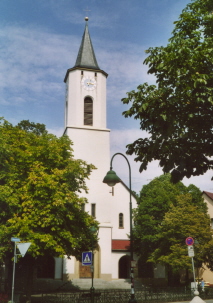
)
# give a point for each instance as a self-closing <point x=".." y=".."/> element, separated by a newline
<point x="121" y="220"/>
<point x="88" y="111"/>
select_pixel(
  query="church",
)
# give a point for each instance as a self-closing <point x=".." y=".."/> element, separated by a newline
<point x="85" y="124"/>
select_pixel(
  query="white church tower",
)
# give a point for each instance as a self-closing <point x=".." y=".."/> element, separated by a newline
<point x="85" y="124"/>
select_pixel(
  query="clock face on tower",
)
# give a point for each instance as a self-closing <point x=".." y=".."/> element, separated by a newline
<point x="88" y="83"/>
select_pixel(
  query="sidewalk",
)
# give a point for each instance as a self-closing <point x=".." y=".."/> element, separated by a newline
<point x="207" y="301"/>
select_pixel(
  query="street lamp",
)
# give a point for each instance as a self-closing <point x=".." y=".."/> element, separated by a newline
<point x="93" y="230"/>
<point x="112" y="179"/>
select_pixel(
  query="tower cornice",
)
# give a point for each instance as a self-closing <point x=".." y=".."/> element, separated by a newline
<point x="86" y="69"/>
<point x="86" y="129"/>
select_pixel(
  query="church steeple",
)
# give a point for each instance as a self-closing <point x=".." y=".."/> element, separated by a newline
<point x="86" y="55"/>
<point x="85" y="102"/>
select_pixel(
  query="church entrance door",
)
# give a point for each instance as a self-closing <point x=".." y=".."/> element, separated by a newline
<point x="124" y="267"/>
<point x="84" y="271"/>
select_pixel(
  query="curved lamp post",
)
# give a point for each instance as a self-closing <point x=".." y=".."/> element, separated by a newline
<point x="93" y="230"/>
<point x="112" y="179"/>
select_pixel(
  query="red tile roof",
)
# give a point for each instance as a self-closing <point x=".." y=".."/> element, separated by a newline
<point x="210" y="195"/>
<point x="120" y="244"/>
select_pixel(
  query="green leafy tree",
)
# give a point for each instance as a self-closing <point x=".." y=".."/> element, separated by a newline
<point x="183" y="220"/>
<point x="40" y="183"/>
<point x="36" y="128"/>
<point x="177" y="111"/>
<point x="166" y="215"/>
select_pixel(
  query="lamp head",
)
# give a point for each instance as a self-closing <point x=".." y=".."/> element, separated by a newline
<point x="94" y="229"/>
<point x="111" y="178"/>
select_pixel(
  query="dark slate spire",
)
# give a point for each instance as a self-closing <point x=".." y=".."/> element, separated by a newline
<point x="86" y="55"/>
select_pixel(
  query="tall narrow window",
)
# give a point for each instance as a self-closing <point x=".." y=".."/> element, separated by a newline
<point x="93" y="210"/>
<point x="88" y="111"/>
<point x="121" y="220"/>
<point x="83" y="207"/>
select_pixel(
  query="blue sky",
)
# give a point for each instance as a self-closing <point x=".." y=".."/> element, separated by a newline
<point x="40" y="41"/>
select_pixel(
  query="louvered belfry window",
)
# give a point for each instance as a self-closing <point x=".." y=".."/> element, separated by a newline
<point x="88" y="111"/>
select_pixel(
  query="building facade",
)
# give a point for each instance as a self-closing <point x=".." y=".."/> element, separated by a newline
<point x="204" y="272"/>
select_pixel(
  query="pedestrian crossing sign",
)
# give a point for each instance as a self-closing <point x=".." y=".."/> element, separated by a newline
<point x="87" y="258"/>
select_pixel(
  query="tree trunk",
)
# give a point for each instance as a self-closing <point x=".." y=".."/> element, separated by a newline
<point x="29" y="278"/>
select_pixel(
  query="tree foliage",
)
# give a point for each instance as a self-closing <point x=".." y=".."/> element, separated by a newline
<point x="177" y="111"/>
<point x="183" y="220"/>
<point x="40" y="183"/>
<point x="36" y="128"/>
<point x="166" y="215"/>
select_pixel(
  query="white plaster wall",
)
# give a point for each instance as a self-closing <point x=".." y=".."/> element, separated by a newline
<point x="58" y="268"/>
<point x="205" y="273"/>
<point x="209" y="203"/>
<point x="76" y="95"/>
<point x="121" y="204"/>
<point x="105" y="250"/>
<point x="115" y="262"/>
<point x="69" y="266"/>
<point x="93" y="147"/>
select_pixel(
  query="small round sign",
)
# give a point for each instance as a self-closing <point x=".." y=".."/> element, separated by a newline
<point x="189" y="241"/>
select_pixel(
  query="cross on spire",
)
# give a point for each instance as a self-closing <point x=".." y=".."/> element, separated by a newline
<point x="87" y="10"/>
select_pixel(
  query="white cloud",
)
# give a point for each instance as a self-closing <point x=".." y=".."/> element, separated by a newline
<point x="34" y="61"/>
<point x="56" y="131"/>
<point x="119" y="140"/>
<point x="124" y="64"/>
<point x="203" y="182"/>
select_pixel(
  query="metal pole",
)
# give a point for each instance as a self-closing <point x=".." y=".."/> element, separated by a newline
<point x="14" y="267"/>
<point x="193" y="269"/>
<point x="92" y="288"/>
<point x="132" y="300"/>
<point x="92" y="269"/>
